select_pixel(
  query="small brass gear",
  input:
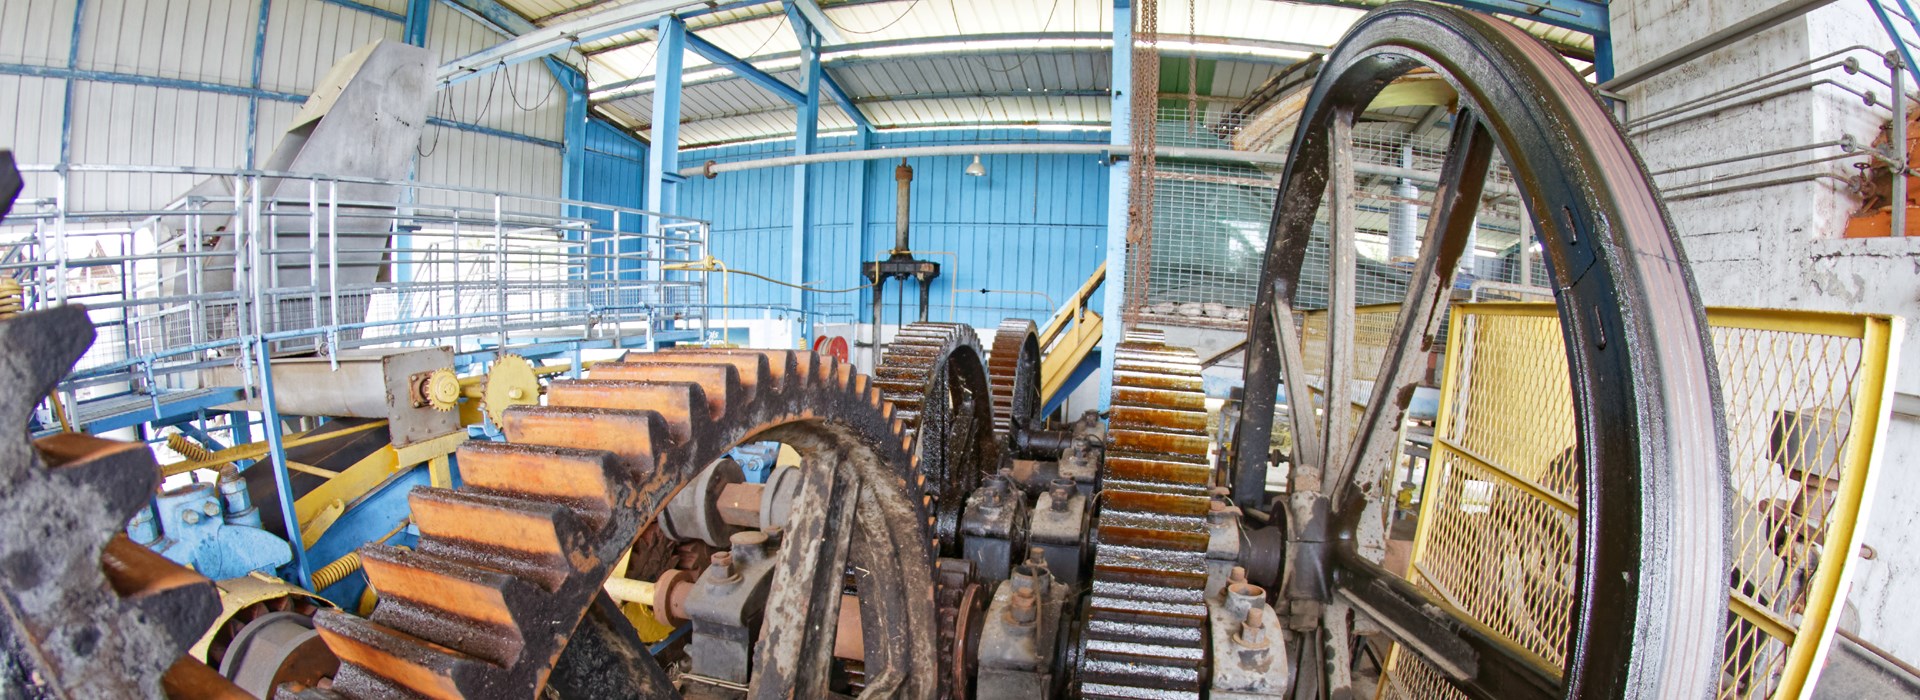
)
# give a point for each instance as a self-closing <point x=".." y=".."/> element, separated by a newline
<point x="443" y="390"/>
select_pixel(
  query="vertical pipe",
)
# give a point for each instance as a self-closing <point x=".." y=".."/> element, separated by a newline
<point x="1899" y="74"/>
<point x="500" y="270"/>
<point x="333" y="273"/>
<point x="313" y="251"/>
<point x="805" y="142"/>
<point x="1526" y="249"/>
<point x="1403" y="241"/>
<point x="1469" y="258"/>
<point x="903" y="204"/>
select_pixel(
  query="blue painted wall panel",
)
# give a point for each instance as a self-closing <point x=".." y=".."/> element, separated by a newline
<point x="615" y="174"/>
<point x="1034" y="223"/>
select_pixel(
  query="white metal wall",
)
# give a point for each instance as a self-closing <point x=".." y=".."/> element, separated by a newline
<point x="199" y="115"/>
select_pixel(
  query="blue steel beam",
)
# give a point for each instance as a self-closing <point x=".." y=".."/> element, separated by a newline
<point x="1113" y="299"/>
<point x="414" y="30"/>
<point x="663" y="157"/>
<point x="369" y="9"/>
<point x="740" y="67"/>
<point x="494" y="15"/>
<point x="259" y="60"/>
<point x="573" y="149"/>
<point x="1579" y="15"/>
<point x="799" y="15"/>
<point x="829" y="34"/>
<point x="805" y="142"/>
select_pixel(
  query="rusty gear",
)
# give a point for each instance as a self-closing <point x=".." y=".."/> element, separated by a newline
<point x="88" y="613"/>
<point x="1014" y="370"/>
<point x="1146" y="629"/>
<point x="933" y="373"/>
<point x="507" y="565"/>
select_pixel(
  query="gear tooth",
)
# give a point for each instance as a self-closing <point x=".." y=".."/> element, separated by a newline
<point x="1147" y="615"/>
<point x="719" y="383"/>
<point x="807" y="367"/>
<point x="415" y="587"/>
<point x="683" y="405"/>
<point x="760" y="371"/>
<point x="376" y="660"/>
<point x="636" y="437"/>
<point x="582" y="479"/>
<point x="527" y="538"/>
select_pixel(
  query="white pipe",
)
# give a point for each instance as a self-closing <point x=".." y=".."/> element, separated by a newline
<point x="1172" y="153"/>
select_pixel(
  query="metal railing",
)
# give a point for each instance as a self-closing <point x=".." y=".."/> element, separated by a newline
<point x="252" y="264"/>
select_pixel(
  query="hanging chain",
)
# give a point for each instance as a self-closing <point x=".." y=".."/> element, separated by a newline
<point x="1193" y="68"/>
<point x="1140" y="188"/>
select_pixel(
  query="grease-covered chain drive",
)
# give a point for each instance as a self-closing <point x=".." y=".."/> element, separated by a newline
<point x="1146" y="626"/>
<point x="934" y="375"/>
<point x="1645" y="623"/>
<point x="87" y="613"/>
<point x="507" y="565"/>
<point x="1013" y="368"/>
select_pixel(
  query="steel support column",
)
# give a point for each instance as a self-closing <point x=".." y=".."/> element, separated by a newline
<point x="805" y="142"/>
<point x="573" y="148"/>
<point x="663" y="158"/>
<point x="1114" y="296"/>
<point x="414" y="29"/>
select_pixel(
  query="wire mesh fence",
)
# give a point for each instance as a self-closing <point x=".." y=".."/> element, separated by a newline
<point x="1211" y="221"/>
<point x="1804" y="398"/>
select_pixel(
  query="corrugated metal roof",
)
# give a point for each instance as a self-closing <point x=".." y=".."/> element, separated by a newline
<point x="928" y="74"/>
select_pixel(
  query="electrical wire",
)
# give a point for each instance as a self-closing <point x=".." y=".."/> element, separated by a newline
<point x="800" y="287"/>
<point x="1044" y="26"/>
<point x="514" y="94"/>
<point x="763" y="42"/>
<point x="889" y="25"/>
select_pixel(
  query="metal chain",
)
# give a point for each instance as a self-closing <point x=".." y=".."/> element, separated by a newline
<point x="1145" y="102"/>
<point x="1193" y="67"/>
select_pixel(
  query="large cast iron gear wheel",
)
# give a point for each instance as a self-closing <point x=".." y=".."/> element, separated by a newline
<point x="1146" y="627"/>
<point x="1013" y="368"/>
<point x="87" y="613"/>
<point x="935" y="375"/>
<point x="508" y="569"/>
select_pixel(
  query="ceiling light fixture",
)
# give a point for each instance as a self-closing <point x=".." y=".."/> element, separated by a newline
<point x="976" y="169"/>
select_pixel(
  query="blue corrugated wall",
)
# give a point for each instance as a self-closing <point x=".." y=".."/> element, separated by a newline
<point x="616" y="174"/>
<point x="1034" y="223"/>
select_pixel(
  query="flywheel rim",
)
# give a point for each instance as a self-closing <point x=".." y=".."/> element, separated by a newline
<point x="1644" y="627"/>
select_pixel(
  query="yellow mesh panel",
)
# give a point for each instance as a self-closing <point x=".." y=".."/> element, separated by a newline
<point x="1499" y="520"/>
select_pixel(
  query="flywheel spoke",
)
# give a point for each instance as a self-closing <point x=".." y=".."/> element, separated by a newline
<point x="1337" y="433"/>
<point x="796" y="657"/>
<point x="1455" y="202"/>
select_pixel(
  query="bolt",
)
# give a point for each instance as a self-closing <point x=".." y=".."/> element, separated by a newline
<point x="748" y="546"/>
<point x="1036" y="557"/>
<point x="1253" y="630"/>
<point x="1867" y="552"/>
<point x="1021" y="612"/>
<point x="211" y="509"/>
<point x="722" y="568"/>
<point x="192" y="517"/>
<point x="1062" y="490"/>
<point x="516" y="393"/>
<point x="1237" y="575"/>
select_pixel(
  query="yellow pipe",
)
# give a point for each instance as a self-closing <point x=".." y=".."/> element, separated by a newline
<point x="626" y="590"/>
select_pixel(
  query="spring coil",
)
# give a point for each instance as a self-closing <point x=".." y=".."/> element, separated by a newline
<point x="187" y="448"/>
<point x="332" y="573"/>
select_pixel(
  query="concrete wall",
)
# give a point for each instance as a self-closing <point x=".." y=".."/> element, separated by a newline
<point x="1781" y="246"/>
